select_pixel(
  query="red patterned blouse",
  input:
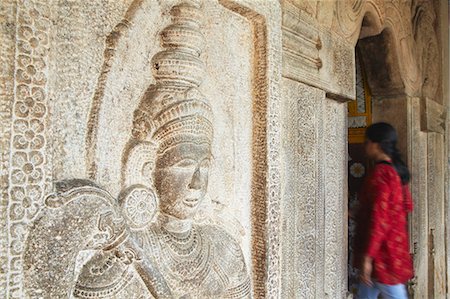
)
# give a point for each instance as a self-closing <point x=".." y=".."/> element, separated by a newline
<point x="382" y="226"/>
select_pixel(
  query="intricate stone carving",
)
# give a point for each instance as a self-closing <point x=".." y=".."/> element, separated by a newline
<point x="398" y="24"/>
<point x="310" y="54"/>
<point x="301" y="239"/>
<point x="67" y="205"/>
<point x="410" y="26"/>
<point x="417" y="155"/>
<point x="139" y="205"/>
<point x="27" y="167"/>
<point x="335" y="192"/>
<point x="163" y="256"/>
<point x="436" y="215"/>
<point x="175" y="116"/>
<point x="312" y="244"/>
<point x="359" y="18"/>
<point x="427" y="52"/>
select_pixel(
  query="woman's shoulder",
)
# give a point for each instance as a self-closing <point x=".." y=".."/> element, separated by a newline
<point x="222" y="241"/>
<point x="217" y="234"/>
<point x="384" y="169"/>
<point x="228" y="252"/>
<point x="384" y="165"/>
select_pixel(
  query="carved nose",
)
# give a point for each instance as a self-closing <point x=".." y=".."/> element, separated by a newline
<point x="195" y="181"/>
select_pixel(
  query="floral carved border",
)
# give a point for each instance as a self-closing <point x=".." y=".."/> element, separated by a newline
<point x="27" y="172"/>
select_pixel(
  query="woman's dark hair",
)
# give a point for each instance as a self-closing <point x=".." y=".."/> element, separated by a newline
<point x="385" y="135"/>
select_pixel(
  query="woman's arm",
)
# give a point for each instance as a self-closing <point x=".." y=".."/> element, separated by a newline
<point x="379" y="226"/>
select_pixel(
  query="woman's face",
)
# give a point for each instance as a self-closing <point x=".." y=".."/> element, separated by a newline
<point x="181" y="179"/>
<point x="371" y="148"/>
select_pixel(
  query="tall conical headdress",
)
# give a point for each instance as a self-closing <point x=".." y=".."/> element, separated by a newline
<point x="173" y="110"/>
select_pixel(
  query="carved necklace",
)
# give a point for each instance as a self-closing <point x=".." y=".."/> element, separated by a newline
<point x="179" y="244"/>
<point x="187" y="257"/>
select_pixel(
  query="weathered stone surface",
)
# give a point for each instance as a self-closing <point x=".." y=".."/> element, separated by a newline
<point x="417" y="162"/>
<point x="7" y="54"/>
<point x="433" y="116"/>
<point x="122" y="114"/>
<point x="148" y="151"/>
<point x="314" y="56"/>
<point x="313" y="205"/>
<point x="436" y="216"/>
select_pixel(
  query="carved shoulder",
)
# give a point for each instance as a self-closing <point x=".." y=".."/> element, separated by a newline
<point x="230" y="261"/>
<point x="227" y="251"/>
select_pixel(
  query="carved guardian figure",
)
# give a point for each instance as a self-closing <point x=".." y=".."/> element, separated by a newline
<point x="146" y="243"/>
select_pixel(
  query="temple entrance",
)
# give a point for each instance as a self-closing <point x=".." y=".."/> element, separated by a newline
<point x="380" y="96"/>
<point x="359" y="118"/>
<point x="383" y="94"/>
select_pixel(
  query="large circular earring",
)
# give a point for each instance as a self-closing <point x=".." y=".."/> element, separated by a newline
<point x="139" y="205"/>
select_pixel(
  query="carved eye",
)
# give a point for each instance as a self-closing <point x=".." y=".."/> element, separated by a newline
<point x="185" y="163"/>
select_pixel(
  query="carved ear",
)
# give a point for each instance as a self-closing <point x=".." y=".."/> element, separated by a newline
<point x="138" y="200"/>
<point x="139" y="205"/>
<point x="138" y="163"/>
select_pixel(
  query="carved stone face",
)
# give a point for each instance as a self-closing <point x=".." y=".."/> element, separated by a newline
<point x="181" y="179"/>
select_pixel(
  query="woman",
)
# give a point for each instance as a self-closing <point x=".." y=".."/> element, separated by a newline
<point x="381" y="244"/>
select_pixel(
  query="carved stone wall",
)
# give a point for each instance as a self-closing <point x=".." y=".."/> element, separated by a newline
<point x="7" y="54"/>
<point x="314" y="193"/>
<point x="73" y="78"/>
<point x="335" y="159"/>
<point x="400" y="46"/>
<point x="27" y="175"/>
<point x="417" y="156"/>
<point x="302" y="202"/>
<point x="96" y="98"/>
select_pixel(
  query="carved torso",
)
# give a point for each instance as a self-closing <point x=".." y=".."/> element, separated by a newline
<point x="205" y="263"/>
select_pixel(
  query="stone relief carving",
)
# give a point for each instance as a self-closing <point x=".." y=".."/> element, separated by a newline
<point x="397" y="21"/>
<point x="411" y="27"/>
<point x="427" y="54"/>
<point x="335" y="149"/>
<point x="145" y="242"/>
<point x="28" y="175"/>
<point x="69" y="41"/>
<point x="310" y="54"/>
<point x="303" y="238"/>
<point x="350" y="14"/>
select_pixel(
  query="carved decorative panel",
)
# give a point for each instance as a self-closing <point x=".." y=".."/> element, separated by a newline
<point x="335" y="197"/>
<point x="427" y="51"/>
<point x="144" y="115"/>
<point x="313" y="226"/>
<point x="28" y="174"/>
<point x="300" y="239"/>
<point x="350" y="14"/>
<point x="316" y="57"/>
<point x="436" y="216"/>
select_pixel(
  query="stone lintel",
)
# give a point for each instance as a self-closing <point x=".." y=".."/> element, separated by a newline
<point x="315" y="57"/>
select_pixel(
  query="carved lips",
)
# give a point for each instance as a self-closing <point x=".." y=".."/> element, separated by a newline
<point x="191" y="202"/>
